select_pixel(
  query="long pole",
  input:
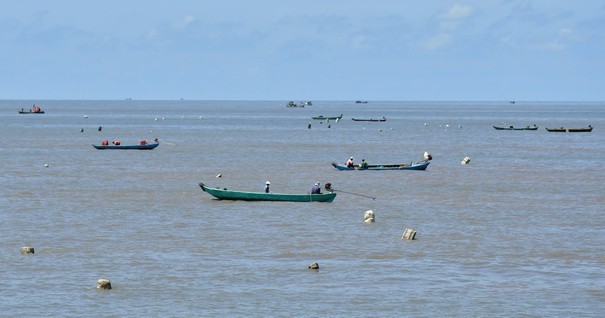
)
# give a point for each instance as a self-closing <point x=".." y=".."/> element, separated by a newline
<point x="361" y="195"/>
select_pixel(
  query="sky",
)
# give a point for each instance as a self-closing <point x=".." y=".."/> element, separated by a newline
<point x="387" y="50"/>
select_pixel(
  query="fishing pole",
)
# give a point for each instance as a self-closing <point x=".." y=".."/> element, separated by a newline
<point x="361" y="195"/>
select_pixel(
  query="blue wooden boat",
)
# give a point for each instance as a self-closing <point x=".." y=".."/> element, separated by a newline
<point x="127" y="147"/>
<point x="421" y="165"/>
<point x="224" y="194"/>
<point x="33" y="110"/>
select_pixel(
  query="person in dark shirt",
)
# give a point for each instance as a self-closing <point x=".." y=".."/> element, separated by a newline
<point x="316" y="189"/>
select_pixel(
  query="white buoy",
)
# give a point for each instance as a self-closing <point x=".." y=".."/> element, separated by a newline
<point x="369" y="216"/>
<point x="426" y="124"/>
<point x="466" y="160"/>
<point x="314" y="266"/>
<point x="156" y="119"/>
<point x="46" y="165"/>
<point x="427" y="156"/>
<point x="219" y="175"/>
<point x="103" y="283"/>
<point x="85" y="116"/>
<point x="200" y="117"/>
<point x="27" y="250"/>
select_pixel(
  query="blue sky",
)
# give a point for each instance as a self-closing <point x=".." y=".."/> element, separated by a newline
<point x="549" y="50"/>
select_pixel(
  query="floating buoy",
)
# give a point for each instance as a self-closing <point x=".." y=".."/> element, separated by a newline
<point x="81" y="129"/>
<point x="46" y="165"/>
<point x="426" y="124"/>
<point x="85" y="116"/>
<point x="200" y="117"/>
<point x="27" y="250"/>
<point x="427" y="156"/>
<point x="156" y="119"/>
<point x="103" y="283"/>
<point x="219" y="175"/>
<point x="314" y="266"/>
<point x="466" y="160"/>
<point x="408" y="234"/>
<point x="182" y="117"/>
<point x="369" y="216"/>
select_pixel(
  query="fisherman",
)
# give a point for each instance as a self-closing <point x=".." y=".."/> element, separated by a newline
<point x="363" y="164"/>
<point x="267" y="186"/>
<point x="350" y="163"/>
<point x="316" y="189"/>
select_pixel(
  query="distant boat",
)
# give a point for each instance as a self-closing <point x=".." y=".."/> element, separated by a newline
<point x="140" y="146"/>
<point x="534" y="127"/>
<point x="327" y="118"/>
<point x="34" y="110"/>
<point x="564" y="129"/>
<point x="370" y="119"/>
<point x="421" y="165"/>
<point x="361" y="102"/>
<point x="224" y="194"/>
<point x="302" y="104"/>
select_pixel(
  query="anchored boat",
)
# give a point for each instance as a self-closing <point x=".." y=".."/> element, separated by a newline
<point x="224" y="194"/>
<point x="564" y="129"/>
<point x="421" y="165"/>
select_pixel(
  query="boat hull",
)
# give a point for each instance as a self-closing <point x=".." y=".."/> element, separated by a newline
<point x="422" y="165"/>
<point x="517" y="128"/>
<point x="370" y="119"/>
<point x="126" y="147"/>
<point x="223" y="194"/>
<point x="30" y="112"/>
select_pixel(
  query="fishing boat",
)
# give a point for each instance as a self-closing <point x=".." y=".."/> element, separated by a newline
<point x="224" y="194"/>
<point x="369" y="119"/>
<point x="34" y="110"/>
<point x="302" y="104"/>
<point x="361" y="102"/>
<point x="113" y="146"/>
<point x="327" y="118"/>
<point x="564" y="129"/>
<point x="421" y="165"/>
<point x="534" y="127"/>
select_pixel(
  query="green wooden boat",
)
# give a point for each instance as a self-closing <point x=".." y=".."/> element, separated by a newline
<point x="224" y="194"/>
<point x="322" y="117"/>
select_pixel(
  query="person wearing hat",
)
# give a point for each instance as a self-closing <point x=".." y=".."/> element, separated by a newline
<point x="350" y="163"/>
<point x="267" y="186"/>
<point x="316" y="189"/>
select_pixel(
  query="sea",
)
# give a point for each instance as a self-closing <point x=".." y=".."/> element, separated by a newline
<point x="518" y="231"/>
